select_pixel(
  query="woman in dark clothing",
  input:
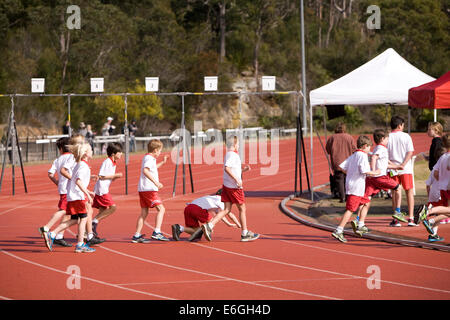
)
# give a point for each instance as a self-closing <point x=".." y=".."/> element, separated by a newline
<point x="435" y="131"/>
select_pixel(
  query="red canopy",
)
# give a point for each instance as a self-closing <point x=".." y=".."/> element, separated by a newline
<point x="431" y="95"/>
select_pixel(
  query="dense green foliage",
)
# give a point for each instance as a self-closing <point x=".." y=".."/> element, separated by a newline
<point x="181" y="41"/>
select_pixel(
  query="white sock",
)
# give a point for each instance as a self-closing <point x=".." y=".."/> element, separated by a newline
<point x="431" y="221"/>
<point x="60" y="236"/>
<point x="244" y="233"/>
<point x="80" y="244"/>
<point x="435" y="229"/>
<point x="137" y="234"/>
<point x="90" y="236"/>
<point x="181" y="229"/>
<point x="339" y="229"/>
<point x="157" y="230"/>
<point x="210" y="225"/>
<point x="95" y="221"/>
<point x="360" y="224"/>
<point x="52" y="234"/>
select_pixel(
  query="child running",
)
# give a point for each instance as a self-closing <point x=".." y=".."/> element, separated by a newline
<point x="148" y="192"/>
<point x="441" y="172"/>
<point x="103" y="200"/>
<point x="232" y="192"/>
<point x="61" y="181"/>
<point x="382" y="181"/>
<point x="77" y="197"/>
<point x="199" y="211"/>
<point x="357" y="168"/>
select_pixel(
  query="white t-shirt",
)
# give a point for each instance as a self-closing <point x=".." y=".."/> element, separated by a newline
<point x="66" y="159"/>
<point x="399" y="144"/>
<point x="144" y="183"/>
<point x="209" y="202"/>
<point x="435" y="192"/>
<point x="383" y="159"/>
<point x="444" y="173"/>
<point x="108" y="168"/>
<point x="356" y="167"/>
<point x="232" y="161"/>
<point x="81" y="171"/>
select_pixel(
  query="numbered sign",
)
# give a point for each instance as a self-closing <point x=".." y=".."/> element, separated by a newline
<point x="151" y="84"/>
<point x="37" y="85"/>
<point x="268" y="83"/>
<point x="97" y="84"/>
<point x="211" y="83"/>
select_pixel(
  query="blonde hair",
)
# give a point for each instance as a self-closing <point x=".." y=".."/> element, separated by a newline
<point x="77" y="139"/>
<point x="79" y="150"/>
<point x="437" y="127"/>
<point x="154" y="145"/>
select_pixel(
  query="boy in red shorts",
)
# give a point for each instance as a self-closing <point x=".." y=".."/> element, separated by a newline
<point x="356" y="167"/>
<point x="401" y="149"/>
<point x="232" y="192"/>
<point x="199" y="211"/>
<point x="102" y="199"/>
<point x="148" y="192"/>
<point x="382" y="181"/>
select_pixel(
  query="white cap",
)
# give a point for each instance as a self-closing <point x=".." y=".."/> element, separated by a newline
<point x="109" y="118"/>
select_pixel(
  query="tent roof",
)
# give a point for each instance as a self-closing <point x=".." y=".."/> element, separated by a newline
<point x="385" y="79"/>
<point x="432" y="95"/>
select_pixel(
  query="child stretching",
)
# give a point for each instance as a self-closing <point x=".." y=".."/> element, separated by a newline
<point x="202" y="210"/>
<point x="61" y="182"/>
<point x="232" y="192"/>
<point x="382" y="181"/>
<point x="148" y="192"/>
<point x="103" y="200"/>
<point x="77" y="197"/>
<point x="357" y="168"/>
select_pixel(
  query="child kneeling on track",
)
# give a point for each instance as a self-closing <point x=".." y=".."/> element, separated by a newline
<point x="77" y="197"/>
<point x="382" y="181"/>
<point x="441" y="172"/>
<point x="199" y="211"/>
<point x="148" y="192"/>
<point x="103" y="200"/>
<point x="357" y="168"/>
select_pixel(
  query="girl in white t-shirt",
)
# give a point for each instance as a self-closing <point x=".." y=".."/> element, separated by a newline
<point x="77" y="197"/>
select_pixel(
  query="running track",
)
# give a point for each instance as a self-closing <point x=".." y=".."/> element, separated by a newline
<point x="289" y="262"/>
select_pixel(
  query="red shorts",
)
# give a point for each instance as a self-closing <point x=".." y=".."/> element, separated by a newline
<point x="149" y="199"/>
<point x="406" y="180"/>
<point x="445" y="196"/>
<point x="353" y="202"/>
<point x="376" y="184"/>
<point x="62" y="204"/>
<point x="436" y="204"/>
<point x="232" y="195"/>
<point x="103" y="201"/>
<point x="76" y="207"/>
<point x="194" y="215"/>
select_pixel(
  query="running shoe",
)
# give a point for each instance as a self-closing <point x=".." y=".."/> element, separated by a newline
<point x="95" y="240"/>
<point x="197" y="235"/>
<point x="394" y="223"/>
<point x="176" y="232"/>
<point x="420" y="214"/>
<point x="42" y="230"/>
<point x="250" y="236"/>
<point x="159" y="236"/>
<point x="339" y="236"/>
<point x="83" y="248"/>
<point x="434" y="238"/>
<point x="94" y="229"/>
<point x="48" y="240"/>
<point x="354" y="224"/>
<point x="411" y="223"/>
<point x="140" y="239"/>
<point x="207" y="231"/>
<point x="399" y="216"/>
<point x="428" y="226"/>
<point x="361" y="230"/>
<point x="62" y="243"/>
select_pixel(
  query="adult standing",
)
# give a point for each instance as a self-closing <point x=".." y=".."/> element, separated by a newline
<point x="132" y="128"/>
<point x="107" y="130"/>
<point x="435" y="131"/>
<point x="339" y="146"/>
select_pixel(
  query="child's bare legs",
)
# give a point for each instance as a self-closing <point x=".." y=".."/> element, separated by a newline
<point x="221" y="214"/>
<point x="363" y="213"/>
<point x="64" y="225"/>
<point x="242" y="215"/>
<point x="396" y="198"/>
<point x="141" y="220"/>
<point x="105" y="212"/>
<point x="88" y="224"/>
<point x="82" y="224"/>
<point x="345" y="218"/>
<point x="159" y="217"/>
<point x="55" y="218"/>
<point x="410" y="201"/>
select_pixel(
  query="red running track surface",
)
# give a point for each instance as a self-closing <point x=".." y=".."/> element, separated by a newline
<point x="289" y="262"/>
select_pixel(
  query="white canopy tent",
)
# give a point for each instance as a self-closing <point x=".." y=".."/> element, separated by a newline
<point x="385" y="79"/>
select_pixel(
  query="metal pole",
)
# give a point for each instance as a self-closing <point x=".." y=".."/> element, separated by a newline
<point x="184" y="143"/>
<point x="68" y="116"/>
<point x="127" y="143"/>
<point x="302" y="24"/>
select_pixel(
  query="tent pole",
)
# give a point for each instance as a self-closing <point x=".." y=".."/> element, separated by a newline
<point x="435" y="115"/>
